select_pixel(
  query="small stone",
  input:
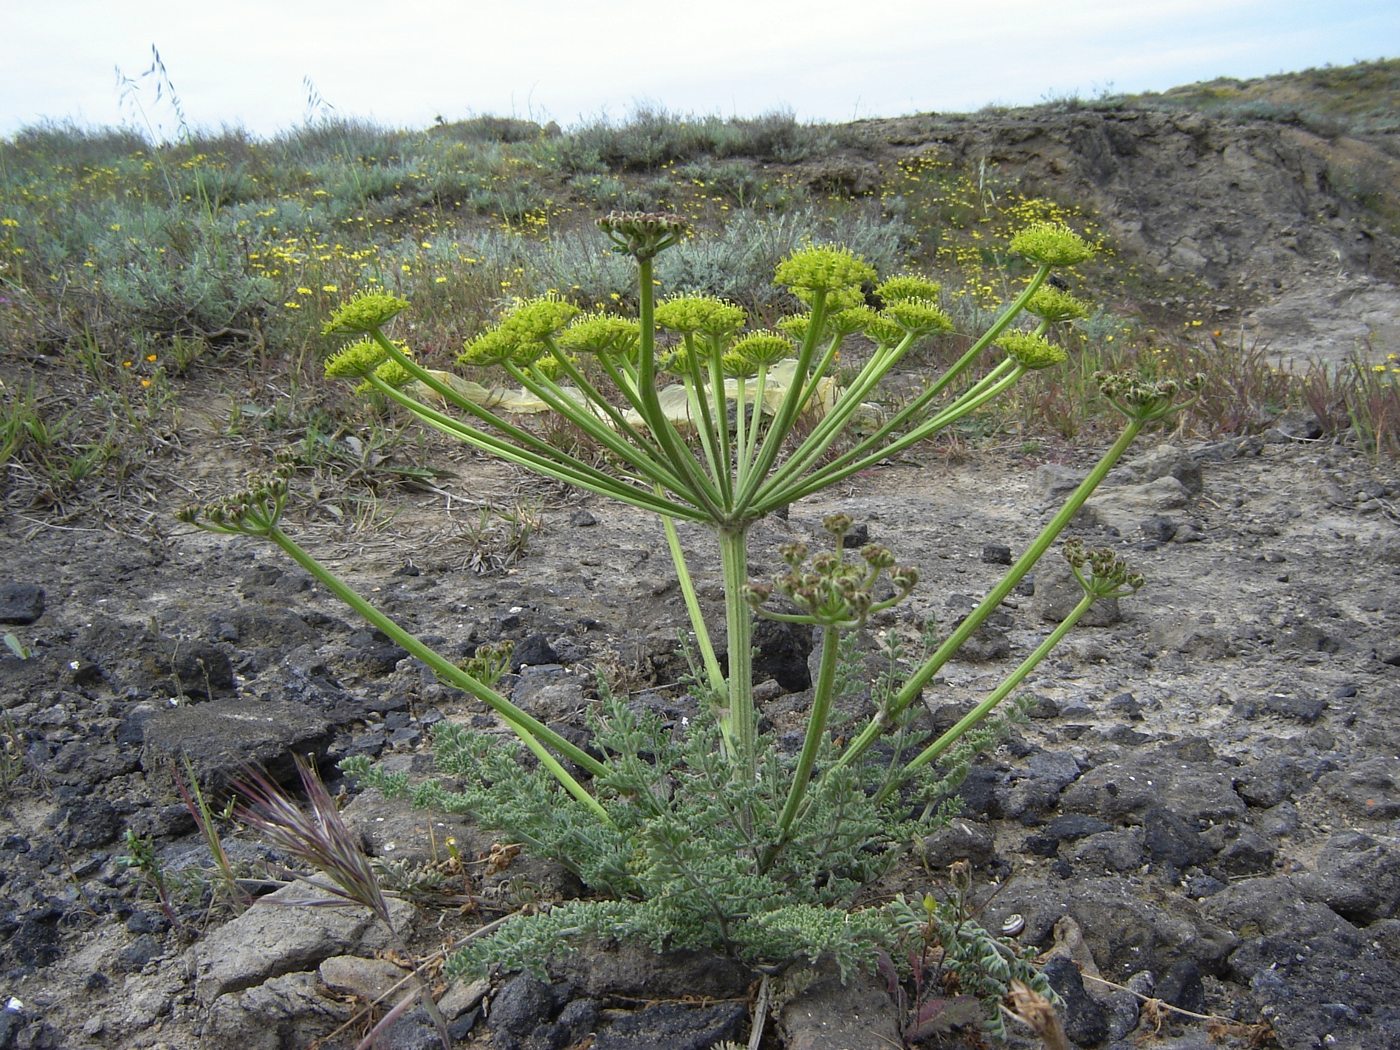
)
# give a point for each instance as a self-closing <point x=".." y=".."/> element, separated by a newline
<point x="1181" y="986"/>
<point x="996" y="554"/>
<point x="20" y="603"/>
<point x="533" y="651"/>
<point x="1084" y="1019"/>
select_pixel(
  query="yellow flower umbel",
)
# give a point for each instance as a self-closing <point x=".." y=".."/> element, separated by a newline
<point x="1032" y="351"/>
<point x="1053" y="305"/>
<point x="365" y="313"/>
<point x="1051" y="245"/>
<point x="356" y="360"/>
<point x="907" y="286"/>
<point x="830" y="270"/>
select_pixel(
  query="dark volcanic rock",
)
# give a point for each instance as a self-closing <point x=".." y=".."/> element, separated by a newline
<point x="1084" y="1018"/>
<point x="20" y="603"/>
<point x="222" y="737"/>
<point x="1194" y="788"/>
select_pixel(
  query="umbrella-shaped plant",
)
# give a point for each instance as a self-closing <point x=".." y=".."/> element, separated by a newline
<point x="709" y="836"/>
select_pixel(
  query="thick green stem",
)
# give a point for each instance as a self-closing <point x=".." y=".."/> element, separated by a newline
<point x="844" y="467"/>
<point x="822" y="696"/>
<point x="532" y="732"/>
<point x="692" y="607"/>
<point x="739" y="723"/>
<point x="945" y="652"/>
<point x="955" y="732"/>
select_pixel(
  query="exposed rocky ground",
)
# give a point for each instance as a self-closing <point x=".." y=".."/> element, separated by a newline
<point x="1203" y="807"/>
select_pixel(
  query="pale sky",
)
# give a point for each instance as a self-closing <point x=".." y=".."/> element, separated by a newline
<point x="246" y="62"/>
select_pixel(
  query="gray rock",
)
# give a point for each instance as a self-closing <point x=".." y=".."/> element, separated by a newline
<point x="284" y="1011"/>
<point x="20" y="603"/>
<point x="370" y="979"/>
<point x="279" y="934"/>
<point x="674" y="1026"/>
<point x="1057" y="592"/>
<point x="522" y="1005"/>
<point x="629" y="969"/>
<point x="858" y="1015"/>
<point x="1173" y="842"/>
<point x="960" y="839"/>
<point x="1125" y="508"/>
<point x="1034" y="789"/>
<point x="1239" y="850"/>
<point x="549" y="692"/>
<point x="1369" y="790"/>
<point x="1370" y="867"/>
<point x="1182" y="986"/>
<point x="1126" y="929"/>
<point x="1123" y="1007"/>
<point x="1195" y="791"/>
<point x="1273" y="779"/>
<point x="1161" y="462"/>
<point x="1084" y="1018"/>
<point x="1108" y="851"/>
<point x="1068" y="828"/>
<point x="221" y="738"/>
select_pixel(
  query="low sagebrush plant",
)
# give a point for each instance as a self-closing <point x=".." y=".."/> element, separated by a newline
<point x="707" y="835"/>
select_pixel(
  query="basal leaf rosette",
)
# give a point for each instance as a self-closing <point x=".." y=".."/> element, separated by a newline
<point x="1032" y="351"/>
<point x="1051" y="244"/>
<point x="364" y="314"/>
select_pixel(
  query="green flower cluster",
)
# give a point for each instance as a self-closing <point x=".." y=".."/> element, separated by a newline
<point x="602" y="335"/>
<point x="831" y="270"/>
<point x="363" y="314"/>
<point x="918" y="317"/>
<point x="1032" y="351"/>
<point x="1051" y="245"/>
<point x="1139" y="398"/>
<point x="356" y="360"/>
<point x="523" y="334"/>
<point x="908" y="286"/>
<point x="761" y="349"/>
<point x="253" y="511"/>
<point x="643" y="234"/>
<point x="701" y="315"/>
<point x="1051" y="304"/>
<point x="1107" y="576"/>
<point x="829" y="589"/>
